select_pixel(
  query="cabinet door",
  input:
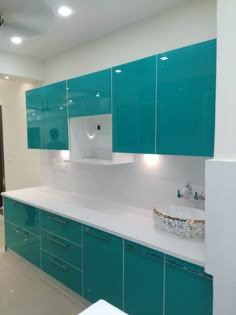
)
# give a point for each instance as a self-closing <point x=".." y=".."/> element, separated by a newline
<point x="102" y="267"/>
<point x="90" y="94"/>
<point x="143" y="280"/>
<point x="23" y="243"/>
<point x="188" y="290"/>
<point x="186" y="84"/>
<point x="55" y="115"/>
<point x="133" y="113"/>
<point x="22" y="215"/>
<point x="35" y="101"/>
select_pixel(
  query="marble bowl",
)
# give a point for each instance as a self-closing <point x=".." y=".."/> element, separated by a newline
<point x="185" y="222"/>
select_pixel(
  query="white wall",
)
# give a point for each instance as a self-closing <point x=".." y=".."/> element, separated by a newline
<point x="21" y="67"/>
<point x="192" y="22"/>
<point x="136" y="183"/>
<point x="21" y="165"/>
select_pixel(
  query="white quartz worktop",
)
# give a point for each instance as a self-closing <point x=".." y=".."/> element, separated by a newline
<point x="128" y="222"/>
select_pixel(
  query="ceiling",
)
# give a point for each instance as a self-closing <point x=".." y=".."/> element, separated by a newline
<point x="46" y="34"/>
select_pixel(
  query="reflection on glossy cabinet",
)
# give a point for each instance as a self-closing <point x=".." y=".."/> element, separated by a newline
<point x="23" y="243"/>
<point x="186" y="82"/>
<point x="134" y="96"/>
<point x="35" y="100"/>
<point x="55" y="115"/>
<point x="102" y="266"/>
<point x="90" y="94"/>
<point x="188" y="290"/>
<point x="143" y="280"/>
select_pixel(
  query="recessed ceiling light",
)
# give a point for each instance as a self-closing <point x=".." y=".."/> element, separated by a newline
<point x="6" y="77"/>
<point x="118" y="71"/>
<point x="16" y="40"/>
<point x="164" y="58"/>
<point x="64" y="11"/>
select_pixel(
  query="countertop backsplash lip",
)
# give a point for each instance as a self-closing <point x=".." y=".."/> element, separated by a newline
<point x="131" y="223"/>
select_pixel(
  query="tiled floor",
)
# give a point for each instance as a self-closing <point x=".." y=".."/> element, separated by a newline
<point x="25" y="290"/>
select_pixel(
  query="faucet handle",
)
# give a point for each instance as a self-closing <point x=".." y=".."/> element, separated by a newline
<point x="202" y="195"/>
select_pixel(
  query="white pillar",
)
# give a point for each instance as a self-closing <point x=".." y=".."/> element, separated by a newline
<point x="221" y="171"/>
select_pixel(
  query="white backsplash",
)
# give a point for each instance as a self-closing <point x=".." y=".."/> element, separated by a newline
<point x="144" y="183"/>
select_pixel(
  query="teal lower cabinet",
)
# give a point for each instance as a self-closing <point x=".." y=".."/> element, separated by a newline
<point x="102" y="266"/>
<point x="62" y="248"/>
<point x="62" y="271"/>
<point x="143" y="280"/>
<point x="188" y="290"/>
<point x="23" y="243"/>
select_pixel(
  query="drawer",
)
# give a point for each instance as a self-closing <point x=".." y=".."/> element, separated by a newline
<point x="22" y="215"/>
<point x="62" y="248"/>
<point x="23" y="243"/>
<point x="58" y="269"/>
<point x="63" y="227"/>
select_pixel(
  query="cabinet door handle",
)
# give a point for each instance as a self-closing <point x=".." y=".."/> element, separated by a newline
<point x="105" y="238"/>
<point x="53" y="240"/>
<point x="57" y="220"/>
<point x="188" y="269"/>
<point x="57" y="264"/>
<point x="138" y="251"/>
<point x="21" y="232"/>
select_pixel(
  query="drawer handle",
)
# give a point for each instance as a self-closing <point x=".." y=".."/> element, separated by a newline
<point x="57" y="264"/>
<point x="58" y="242"/>
<point x="104" y="238"/>
<point x="56" y="219"/>
<point x="184" y="268"/>
<point x="136" y="250"/>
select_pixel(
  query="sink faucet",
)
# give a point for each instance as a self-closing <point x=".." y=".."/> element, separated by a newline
<point x="187" y="193"/>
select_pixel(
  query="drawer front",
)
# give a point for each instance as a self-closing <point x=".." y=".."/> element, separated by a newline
<point x="58" y="269"/>
<point x="62" y="227"/>
<point x="61" y="248"/>
<point x="22" y="215"/>
<point x="23" y="243"/>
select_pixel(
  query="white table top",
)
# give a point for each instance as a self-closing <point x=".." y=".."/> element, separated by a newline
<point x="102" y="308"/>
<point x="128" y="222"/>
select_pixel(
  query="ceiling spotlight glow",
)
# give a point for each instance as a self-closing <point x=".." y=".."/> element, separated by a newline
<point x="16" y="40"/>
<point x="64" y="11"/>
<point x="118" y="71"/>
<point x="6" y="77"/>
<point x="164" y="58"/>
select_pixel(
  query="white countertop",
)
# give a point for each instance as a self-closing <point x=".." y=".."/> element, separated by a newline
<point x="128" y="222"/>
<point x="101" y="307"/>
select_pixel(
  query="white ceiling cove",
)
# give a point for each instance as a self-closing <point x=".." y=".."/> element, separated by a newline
<point x="46" y="34"/>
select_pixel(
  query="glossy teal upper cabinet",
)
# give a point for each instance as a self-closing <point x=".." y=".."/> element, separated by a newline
<point x="188" y="290"/>
<point x="47" y="123"/>
<point x="133" y="113"/>
<point x="35" y="118"/>
<point x="55" y="115"/>
<point x="186" y="83"/>
<point x="90" y="94"/>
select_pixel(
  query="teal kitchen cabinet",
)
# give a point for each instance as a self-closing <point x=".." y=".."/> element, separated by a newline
<point x="62" y="227"/>
<point x="188" y="290"/>
<point x="102" y="266"/>
<point x="134" y="105"/>
<point x="47" y="120"/>
<point x="35" y="100"/>
<point x="23" y="215"/>
<point x="62" y="271"/>
<point x="55" y="116"/>
<point x="65" y="250"/>
<point x="90" y="94"/>
<point x="143" y="280"/>
<point x="23" y="243"/>
<point x="186" y="85"/>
